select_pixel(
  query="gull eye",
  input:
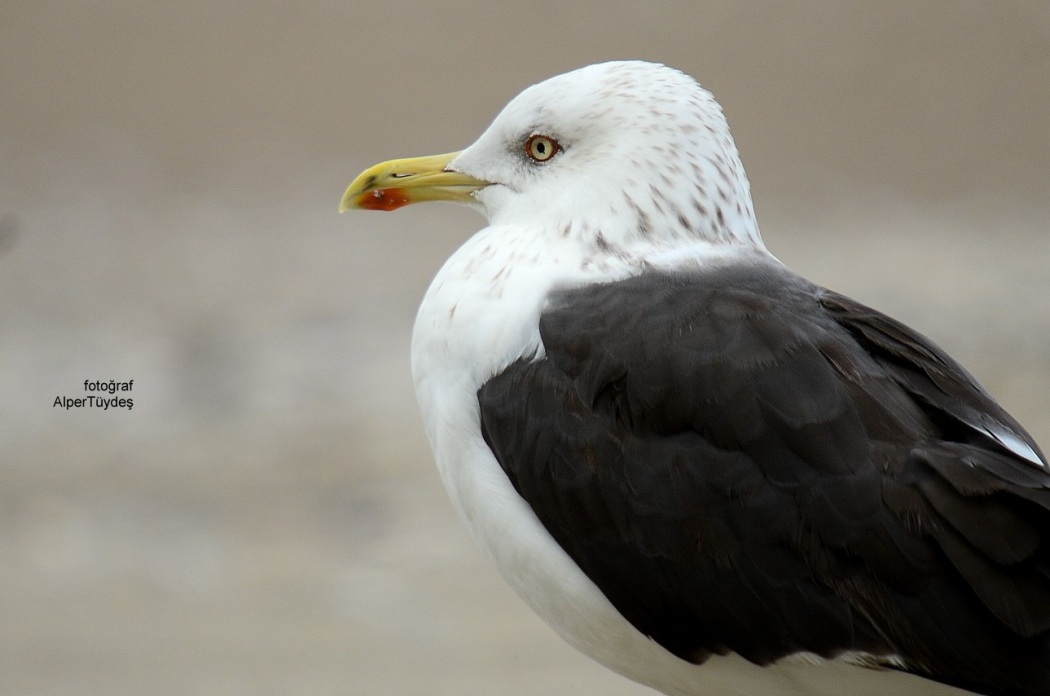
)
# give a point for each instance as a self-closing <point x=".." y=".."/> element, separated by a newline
<point x="540" y="148"/>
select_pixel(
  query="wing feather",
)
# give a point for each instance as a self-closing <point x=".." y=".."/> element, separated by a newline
<point x="745" y="462"/>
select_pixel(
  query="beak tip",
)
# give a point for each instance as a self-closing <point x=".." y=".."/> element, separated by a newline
<point x="347" y="201"/>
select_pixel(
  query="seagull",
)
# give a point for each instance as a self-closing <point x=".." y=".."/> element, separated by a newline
<point x="702" y="470"/>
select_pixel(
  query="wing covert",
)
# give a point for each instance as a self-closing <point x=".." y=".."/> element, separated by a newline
<point x="742" y="449"/>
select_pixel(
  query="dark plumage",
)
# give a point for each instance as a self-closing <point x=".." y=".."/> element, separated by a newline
<point x="739" y="449"/>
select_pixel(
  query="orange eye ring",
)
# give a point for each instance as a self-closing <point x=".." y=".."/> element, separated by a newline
<point x="541" y="148"/>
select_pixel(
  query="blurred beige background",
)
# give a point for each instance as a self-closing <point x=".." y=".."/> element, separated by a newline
<point x="266" y="519"/>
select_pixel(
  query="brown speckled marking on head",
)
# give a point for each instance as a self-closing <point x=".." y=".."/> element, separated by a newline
<point x="699" y="207"/>
<point x="602" y="243"/>
<point x="645" y="227"/>
<point x="658" y="197"/>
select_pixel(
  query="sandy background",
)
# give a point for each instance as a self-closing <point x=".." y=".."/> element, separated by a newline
<point x="266" y="519"/>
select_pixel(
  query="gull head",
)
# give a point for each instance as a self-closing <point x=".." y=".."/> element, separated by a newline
<point x="628" y="150"/>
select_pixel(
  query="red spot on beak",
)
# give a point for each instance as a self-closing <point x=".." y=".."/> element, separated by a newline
<point x="383" y="199"/>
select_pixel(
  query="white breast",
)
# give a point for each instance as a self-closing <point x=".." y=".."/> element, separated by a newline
<point x="480" y="314"/>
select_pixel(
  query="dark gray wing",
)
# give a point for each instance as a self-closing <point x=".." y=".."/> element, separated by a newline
<point x="744" y="462"/>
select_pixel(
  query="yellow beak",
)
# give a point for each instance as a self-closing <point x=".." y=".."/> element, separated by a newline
<point x="394" y="184"/>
